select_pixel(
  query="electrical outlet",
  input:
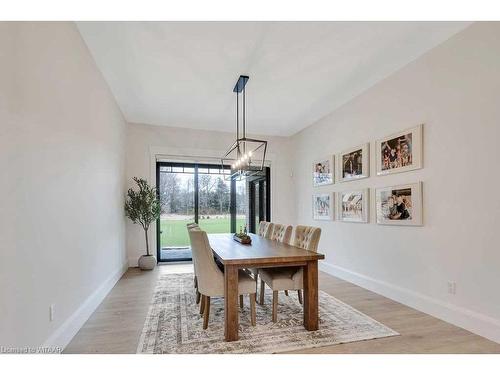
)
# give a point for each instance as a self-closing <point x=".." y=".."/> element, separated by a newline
<point x="52" y="312"/>
<point x="452" y="287"/>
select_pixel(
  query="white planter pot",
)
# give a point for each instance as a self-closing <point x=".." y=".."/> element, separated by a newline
<point x="147" y="262"/>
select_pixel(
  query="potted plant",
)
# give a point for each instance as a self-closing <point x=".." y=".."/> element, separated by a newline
<point x="143" y="207"/>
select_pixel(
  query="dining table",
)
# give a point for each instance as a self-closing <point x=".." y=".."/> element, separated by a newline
<point x="263" y="253"/>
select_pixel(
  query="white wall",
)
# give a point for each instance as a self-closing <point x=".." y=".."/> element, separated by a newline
<point x="453" y="90"/>
<point x="144" y="142"/>
<point x="62" y="140"/>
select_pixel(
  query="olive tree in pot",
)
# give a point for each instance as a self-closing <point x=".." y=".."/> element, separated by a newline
<point x="143" y="207"/>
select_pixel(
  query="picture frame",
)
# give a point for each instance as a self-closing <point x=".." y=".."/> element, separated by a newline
<point x="400" y="152"/>
<point x="354" y="163"/>
<point x="399" y="205"/>
<point x="323" y="205"/>
<point x="323" y="171"/>
<point x="353" y="206"/>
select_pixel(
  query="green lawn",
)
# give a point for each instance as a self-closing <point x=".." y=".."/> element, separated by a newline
<point x="174" y="232"/>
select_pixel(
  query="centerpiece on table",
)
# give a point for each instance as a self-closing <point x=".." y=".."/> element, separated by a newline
<point x="243" y="237"/>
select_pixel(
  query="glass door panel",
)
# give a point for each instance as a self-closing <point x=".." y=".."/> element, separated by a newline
<point x="176" y="191"/>
<point x="214" y="198"/>
<point x="242" y="210"/>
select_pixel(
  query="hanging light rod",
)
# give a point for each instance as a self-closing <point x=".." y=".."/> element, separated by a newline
<point x="240" y="84"/>
<point x="246" y="156"/>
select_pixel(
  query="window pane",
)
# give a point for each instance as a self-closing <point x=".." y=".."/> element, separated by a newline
<point x="177" y="209"/>
<point x="241" y="204"/>
<point x="214" y="195"/>
<point x="177" y="169"/>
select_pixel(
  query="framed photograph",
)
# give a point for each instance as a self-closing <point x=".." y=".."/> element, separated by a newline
<point x="354" y="163"/>
<point x="400" y="152"/>
<point x="352" y="206"/>
<point x="323" y="171"/>
<point x="323" y="206"/>
<point x="400" y="205"/>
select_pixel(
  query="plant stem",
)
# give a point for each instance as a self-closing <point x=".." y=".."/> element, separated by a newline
<point x="147" y="242"/>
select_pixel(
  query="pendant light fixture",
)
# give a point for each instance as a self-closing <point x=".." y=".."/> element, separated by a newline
<point x="246" y="156"/>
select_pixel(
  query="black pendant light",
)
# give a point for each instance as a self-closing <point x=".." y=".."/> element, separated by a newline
<point x="246" y="156"/>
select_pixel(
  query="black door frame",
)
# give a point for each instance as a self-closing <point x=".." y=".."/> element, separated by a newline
<point x="263" y="214"/>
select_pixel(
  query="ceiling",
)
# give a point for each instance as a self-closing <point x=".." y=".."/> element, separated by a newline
<point x="182" y="73"/>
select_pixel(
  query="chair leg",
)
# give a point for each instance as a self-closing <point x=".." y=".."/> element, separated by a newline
<point x="202" y="304"/>
<point x="275" y="306"/>
<point x="206" y="312"/>
<point x="262" y="290"/>
<point x="195" y="282"/>
<point x="241" y="301"/>
<point x="198" y="297"/>
<point x="286" y="293"/>
<point x="253" y="297"/>
<point x="299" y="292"/>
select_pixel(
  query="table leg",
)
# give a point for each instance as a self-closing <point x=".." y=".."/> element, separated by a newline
<point x="311" y="296"/>
<point x="231" y="311"/>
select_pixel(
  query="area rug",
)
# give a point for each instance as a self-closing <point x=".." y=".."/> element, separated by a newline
<point x="174" y="324"/>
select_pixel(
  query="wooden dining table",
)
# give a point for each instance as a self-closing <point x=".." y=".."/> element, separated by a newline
<point x="263" y="253"/>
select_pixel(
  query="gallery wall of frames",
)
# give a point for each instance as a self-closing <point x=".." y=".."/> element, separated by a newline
<point x="394" y="205"/>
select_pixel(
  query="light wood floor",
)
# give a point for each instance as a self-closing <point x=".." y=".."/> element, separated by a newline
<point x="116" y="325"/>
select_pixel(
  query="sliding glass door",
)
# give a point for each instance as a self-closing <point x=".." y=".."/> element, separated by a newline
<point x="201" y="193"/>
<point x="259" y="203"/>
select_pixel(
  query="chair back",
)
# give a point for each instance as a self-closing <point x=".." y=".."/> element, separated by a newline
<point x="307" y="237"/>
<point x="281" y="233"/>
<point x="265" y="229"/>
<point x="192" y="225"/>
<point x="210" y="277"/>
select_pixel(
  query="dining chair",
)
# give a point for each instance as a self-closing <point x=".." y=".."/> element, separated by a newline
<point x="265" y="229"/>
<point x="281" y="233"/>
<point x="195" y="226"/>
<point x="289" y="278"/>
<point x="211" y="278"/>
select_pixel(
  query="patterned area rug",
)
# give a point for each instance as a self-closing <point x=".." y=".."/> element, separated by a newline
<point x="174" y="325"/>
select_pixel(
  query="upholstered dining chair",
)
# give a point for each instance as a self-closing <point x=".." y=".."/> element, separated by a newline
<point x="195" y="226"/>
<point x="265" y="229"/>
<point x="281" y="233"/>
<point x="289" y="278"/>
<point x="211" y="278"/>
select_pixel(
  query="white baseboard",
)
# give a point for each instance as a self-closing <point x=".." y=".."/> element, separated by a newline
<point x="472" y="321"/>
<point x="133" y="262"/>
<point x="66" y="331"/>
